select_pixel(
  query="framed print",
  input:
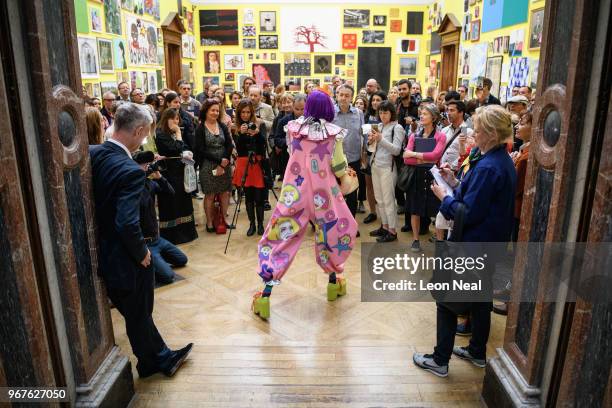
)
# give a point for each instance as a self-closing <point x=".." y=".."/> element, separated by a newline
<point x="408" y="66"/>
<point x="373" y="37"/>
<point x="268" y="42"/>
<point x="249" y="43"/>
<point x="233" y="62"/>
<point x="230" y="76"/>
<point x="414" y="23"/>
<point x="493" y="72"/>
<point x="356" y="18"/>
<point x="248" y="17"/>
<point x="266" y="72"/>
<point x="228" y="88"/>
<point x="407" y="46"/>
<point x="297" y="64"/>
<point x="249" y="31"/>
<point x="88" y="57"/>
<point x="105" y="52"/>
<point x="267" y="21"/>
<point x="349" y="41"/>
<point x="96" y="19"/>
<point x="119" y="50"/>
<point x="536" y="26"/>
<point x="323" y="64"/>
<point x="475" y="30"/>
<point x="340" y="59"/>
<point x="212" y="64"/>
<point x="395" y="26"/>
<point x="380" y="20"/>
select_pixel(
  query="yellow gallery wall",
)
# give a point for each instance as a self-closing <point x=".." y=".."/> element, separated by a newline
<point x="390" y="41"/>
<point x="166" y="7"/>
<point x="456" y="7"/>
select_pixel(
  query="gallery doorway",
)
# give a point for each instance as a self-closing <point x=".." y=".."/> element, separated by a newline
<point x="172" y="30"/>
<point x="450" y="33"/>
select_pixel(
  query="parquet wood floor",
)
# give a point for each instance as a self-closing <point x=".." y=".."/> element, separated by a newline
<point x="311" y="353"/>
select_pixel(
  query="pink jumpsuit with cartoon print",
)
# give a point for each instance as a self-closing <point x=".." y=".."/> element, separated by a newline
<point x="310" y="192"/>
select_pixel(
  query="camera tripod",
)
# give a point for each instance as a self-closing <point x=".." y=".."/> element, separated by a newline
<point x="250" y="162"/>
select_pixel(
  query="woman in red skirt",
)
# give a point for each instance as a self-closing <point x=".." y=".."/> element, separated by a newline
<point x="250" y="140"/>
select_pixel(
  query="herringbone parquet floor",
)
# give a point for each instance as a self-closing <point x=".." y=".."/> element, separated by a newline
<point x="311" y="353"/>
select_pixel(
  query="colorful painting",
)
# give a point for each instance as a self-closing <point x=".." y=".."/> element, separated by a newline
<point x="517" y="39"/>
<point x="475" y="30"/>
<point x="249" y="31"/>
<point x="407" y="46"/>
<point x="108" y="87"/>
<point x="266" y="72"/>
<point x="189" y="18"/>
<point x="497" y="14"/>
<point x="105" y="52"/>
<point x="218" y="27"/>
<point x="349" y="41"/>
<point x="119" y="51"/>
<point x="152" y="7"/>
<point x="142" y="41"/>
<point x="310" y="30"/>
<point x="212" y="62"/>
<point x="395" y="26"/>
<point x="88" y="57"/>
<point x="112" y="17"/>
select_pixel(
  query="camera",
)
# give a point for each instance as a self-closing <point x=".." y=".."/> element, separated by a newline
<point x="156" y="166"/>
<point x="252" y="126"/>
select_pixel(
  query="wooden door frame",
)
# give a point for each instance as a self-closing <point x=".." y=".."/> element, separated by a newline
<point x="450" y="34"/>
<point x="172" y="30"/>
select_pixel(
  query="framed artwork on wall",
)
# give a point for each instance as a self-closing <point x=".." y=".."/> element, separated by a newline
<point x="267" y="21"/>
<point x="536" y="26"/>
<point x="218" y="27"/>
<point x="268" y="42"/>
<point x="356" y="18"/>
<point x="349" y="41"/>
<point x="493" y="72"/>
<point x="475" y="30"/>
<point x="233" y="62"/>
<point x="105" y="52"/>
<point x="395" y="26"/>
<point x="408" y="66"/>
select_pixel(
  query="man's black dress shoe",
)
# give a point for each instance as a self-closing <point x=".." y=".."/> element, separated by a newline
<point x="178" y="357"/>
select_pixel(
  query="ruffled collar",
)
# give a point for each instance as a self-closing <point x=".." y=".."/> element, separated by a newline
<point x="315" y="130"/>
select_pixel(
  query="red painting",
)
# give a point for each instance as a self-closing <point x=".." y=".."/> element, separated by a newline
<point x="396" y="26"/>
<point x="349" y="41"/>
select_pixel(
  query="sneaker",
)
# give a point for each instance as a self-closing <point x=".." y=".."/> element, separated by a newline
<point x="370" y="218"/>
<point x="416" y="246"/>
<point x="380" y="232"/>
<point x="462" y="352"/>
<point x="360" y="208"/>
<point x="267" y="206"/>
<point x="464" y="329"/>
<point x="388" y="237"/>
<point x="427" y="363"/>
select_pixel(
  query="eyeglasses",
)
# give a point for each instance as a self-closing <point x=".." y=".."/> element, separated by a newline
<point x="108" y="100"/>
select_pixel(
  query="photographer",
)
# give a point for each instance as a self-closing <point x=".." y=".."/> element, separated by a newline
<point x="176" y="221"/>
<point x="251" y="148"/>
<point x="163" y="253"/>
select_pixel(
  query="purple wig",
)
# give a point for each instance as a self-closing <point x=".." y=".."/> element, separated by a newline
<point x="319" y="106"/>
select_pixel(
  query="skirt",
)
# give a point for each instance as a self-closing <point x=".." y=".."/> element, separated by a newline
<point x="176" y="222"/>
<point x="214" y="184"/>
<point x="421" y="200"/>
<point x="254" y="175"/>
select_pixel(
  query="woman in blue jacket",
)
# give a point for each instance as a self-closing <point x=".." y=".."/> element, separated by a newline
<point x="486" y="194"/>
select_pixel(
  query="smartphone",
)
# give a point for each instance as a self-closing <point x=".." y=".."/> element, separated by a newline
<point x="463" y="131"/>
<point x="214" y="172"/>
<point x="379" y="127"/>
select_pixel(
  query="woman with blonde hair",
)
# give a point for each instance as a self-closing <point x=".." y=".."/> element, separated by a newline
<point x="93" y="118"/>
<point x="484" y="200"/>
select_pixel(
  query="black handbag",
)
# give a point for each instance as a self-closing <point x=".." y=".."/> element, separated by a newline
<point x="405" y="178"/>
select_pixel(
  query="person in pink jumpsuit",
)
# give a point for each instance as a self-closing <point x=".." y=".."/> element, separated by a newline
<point x="310" y="192"/>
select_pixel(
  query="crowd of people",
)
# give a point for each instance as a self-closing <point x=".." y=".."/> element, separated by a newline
<point x="239" y="145"/>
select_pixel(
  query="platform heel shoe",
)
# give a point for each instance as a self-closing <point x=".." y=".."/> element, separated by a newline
<point x="334" y="290"/>
<point x="261" y="305"/>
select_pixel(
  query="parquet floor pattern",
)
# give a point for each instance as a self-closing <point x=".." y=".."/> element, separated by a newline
<point x="311" y="352"/>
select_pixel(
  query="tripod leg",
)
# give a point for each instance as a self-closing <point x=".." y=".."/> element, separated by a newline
<point x="234" y="219"/>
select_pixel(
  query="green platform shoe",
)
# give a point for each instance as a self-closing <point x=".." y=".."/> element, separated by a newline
<point x="336" y="289"/>
<point x="261" y="306"/>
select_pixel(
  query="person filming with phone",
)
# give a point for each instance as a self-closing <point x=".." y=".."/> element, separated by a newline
<point x="251" y="147"/>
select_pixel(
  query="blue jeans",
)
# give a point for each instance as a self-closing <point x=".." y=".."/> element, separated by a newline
<point x="164" y="254"/>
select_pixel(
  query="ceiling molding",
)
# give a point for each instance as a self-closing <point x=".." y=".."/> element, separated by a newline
<point x="301" y="2"/>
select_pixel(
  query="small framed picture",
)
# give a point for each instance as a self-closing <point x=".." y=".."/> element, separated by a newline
<point x="267" y="21"/>
<point x="380" y="20"/>
<point x="230" y="76"/>
<point x="268" y="42"/>
<point x="475" y="31"/>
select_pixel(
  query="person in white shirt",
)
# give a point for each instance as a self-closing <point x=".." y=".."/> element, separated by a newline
<point x="455" y="133"/>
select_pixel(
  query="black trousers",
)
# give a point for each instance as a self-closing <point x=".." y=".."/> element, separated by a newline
<point x="446" y="328"/>
<point x="136" y="307"/>
<point x="351" y="199"/>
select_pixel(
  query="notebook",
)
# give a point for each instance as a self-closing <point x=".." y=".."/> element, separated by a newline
<point x="424" y="145"/>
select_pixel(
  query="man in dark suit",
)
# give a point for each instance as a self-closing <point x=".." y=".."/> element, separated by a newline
<point x="483" y="94"/>
<point x="125" y="261"/>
